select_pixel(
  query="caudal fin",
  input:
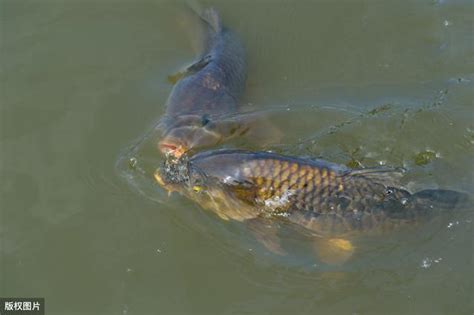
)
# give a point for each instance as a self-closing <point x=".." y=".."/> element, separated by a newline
<point x="208" y="15"/>
<point x="423" y="201"/>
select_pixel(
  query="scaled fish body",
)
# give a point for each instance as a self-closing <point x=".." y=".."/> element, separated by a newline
<point x="325" y="198"/>
<point x="209" y="89"/>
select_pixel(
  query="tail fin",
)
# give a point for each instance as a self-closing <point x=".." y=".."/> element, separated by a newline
<point x="207" y="27"/>
<point x="424" y="200"/>
<point x="208" y="15"/>
<point x="441" y="199"/>
<point x="212" y="18"/>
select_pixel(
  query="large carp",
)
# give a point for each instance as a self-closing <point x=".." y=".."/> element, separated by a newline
<point x="328" y="200"/>
<point x="206" y="93"/>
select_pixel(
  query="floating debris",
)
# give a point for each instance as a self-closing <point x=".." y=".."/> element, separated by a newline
<point x="353" y="163"/>
<point x="425" y="157"/>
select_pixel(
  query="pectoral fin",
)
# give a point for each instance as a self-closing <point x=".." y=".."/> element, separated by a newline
<point x="255" y="128"/>
<point x="229" y="128"/>
<point x="265" y="232"/>
<point x="175" y="77"/>
<point x="334" y="251"/>
<point x="193" y="68"/>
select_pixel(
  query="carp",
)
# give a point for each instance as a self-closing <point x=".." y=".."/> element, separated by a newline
<point x="330" y="201"/>
<point x="206" y="92"/>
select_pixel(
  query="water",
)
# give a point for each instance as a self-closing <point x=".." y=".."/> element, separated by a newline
<point x="354" y="82"/>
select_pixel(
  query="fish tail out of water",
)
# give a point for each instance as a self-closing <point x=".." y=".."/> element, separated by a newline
<point x="441" y="199"/>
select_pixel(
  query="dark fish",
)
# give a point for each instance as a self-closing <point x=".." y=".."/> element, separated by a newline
<point x="280" y="185"/>
<point x="328" y="200"/>
<point x="208" y="90"/>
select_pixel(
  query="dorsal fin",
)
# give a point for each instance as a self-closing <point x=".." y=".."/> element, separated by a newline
<point x="389" y="177"/>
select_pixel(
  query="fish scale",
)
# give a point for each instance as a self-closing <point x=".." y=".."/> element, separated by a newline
<point x="275" y="177"/>
<point x="315" y="189"/>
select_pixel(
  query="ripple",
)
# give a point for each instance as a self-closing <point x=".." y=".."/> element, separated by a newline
<point x="396" y="141"/>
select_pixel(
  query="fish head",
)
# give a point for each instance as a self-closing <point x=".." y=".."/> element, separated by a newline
<point x="193" y="132"/>
<point x="174" y="175"/>
<point x="211" y="187"/>
<point x="186" y="133"/>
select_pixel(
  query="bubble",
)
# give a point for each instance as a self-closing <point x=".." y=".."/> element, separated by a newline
<point x="426" y="263"/>
<point x="425" y="157"/>
<point x="132" y="162"/>
<point x="452" y="224"/>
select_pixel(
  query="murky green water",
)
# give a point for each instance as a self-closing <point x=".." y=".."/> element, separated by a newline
<point x="358" y="82"/>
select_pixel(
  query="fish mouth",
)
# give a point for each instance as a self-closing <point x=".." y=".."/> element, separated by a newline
<point x="173" y="174"/>
<point x="163" y="183"/>
<point x="171" y="148"/>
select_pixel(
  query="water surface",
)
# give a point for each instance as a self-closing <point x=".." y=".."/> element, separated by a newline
<point x="362" y="83"/>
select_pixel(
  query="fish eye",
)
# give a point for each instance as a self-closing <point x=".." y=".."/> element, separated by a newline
<point x="197" y="188"/>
